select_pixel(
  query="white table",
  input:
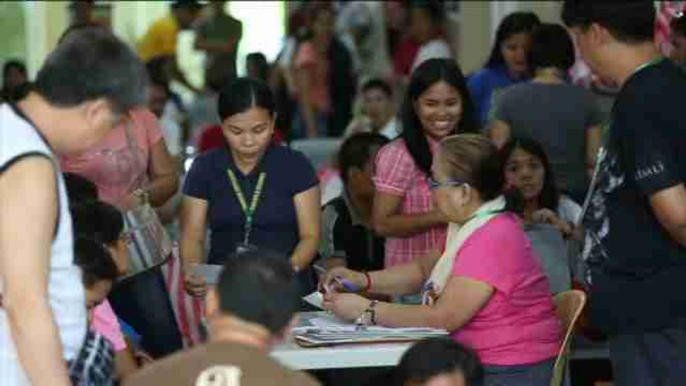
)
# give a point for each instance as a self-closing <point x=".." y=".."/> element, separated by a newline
<point x="339" y="357"/>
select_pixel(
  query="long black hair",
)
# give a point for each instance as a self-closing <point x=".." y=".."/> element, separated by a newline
<point x="513" y="24"/>
<point x="550" y="196"/>
<point x="426" y="75"/>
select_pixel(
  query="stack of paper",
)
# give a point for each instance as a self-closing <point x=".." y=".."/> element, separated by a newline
<point x="321" y="329"/>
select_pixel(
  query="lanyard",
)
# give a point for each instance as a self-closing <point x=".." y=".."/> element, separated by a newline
<point x="249" y="211"/>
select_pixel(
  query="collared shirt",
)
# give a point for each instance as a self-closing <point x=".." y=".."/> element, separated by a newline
<point x="344" y="235"/>
<point x="398" y="175"/>
<point x="159" y="40"/>
<point x="275" y="223"/>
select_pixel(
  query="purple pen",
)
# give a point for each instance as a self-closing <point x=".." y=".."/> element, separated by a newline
<point x="346" y="284"/>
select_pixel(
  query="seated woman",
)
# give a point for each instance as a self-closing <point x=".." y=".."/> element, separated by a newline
<point x="487" y="288"/>
<point x="249" y="192"/>
<point x="550" y="217"/>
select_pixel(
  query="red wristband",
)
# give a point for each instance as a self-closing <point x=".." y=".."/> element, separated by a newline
<point x="369" y="282"/>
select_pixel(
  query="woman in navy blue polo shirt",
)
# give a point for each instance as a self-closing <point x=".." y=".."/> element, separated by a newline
<point x="250" y="192"/>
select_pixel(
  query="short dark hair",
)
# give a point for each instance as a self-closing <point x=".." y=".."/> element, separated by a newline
<point x="550" y="195"/>
<point x="377" y="84"/>
<point x="95" y="261"/>
<point x="12" y="64"/>
<point x="192" y="5"/>
<point x="513" y="24"/>
<point x="551" y="46"/>
<point x="259" y="286"/>
<point x="97" y="220"/>
<point x="433" y="8"/>
<point x="241" y="95"/>
<point x="631" y="21"/>
<point x="260" y="61"/>
<point x="427" y="74"/>
<point x="79" y="188"/>
<point x="431" y="357"/>
<point x="357" y="151"/>
<point x="678" y="24"/>
<point x="97" y="65"/>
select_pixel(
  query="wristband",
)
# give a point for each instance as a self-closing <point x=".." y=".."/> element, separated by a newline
<point x="369" y="282"/>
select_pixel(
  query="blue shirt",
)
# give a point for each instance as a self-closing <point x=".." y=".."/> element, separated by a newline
<point x="483" y="84"/>
<point x="275" y="224"/>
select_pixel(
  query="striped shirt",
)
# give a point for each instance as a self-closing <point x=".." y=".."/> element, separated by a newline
<point x="398" y="175"/>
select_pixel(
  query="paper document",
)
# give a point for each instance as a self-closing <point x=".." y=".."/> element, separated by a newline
<point x="209" y="271"/>
<point x="315" y="298"/>
<point x="322" y="329"/>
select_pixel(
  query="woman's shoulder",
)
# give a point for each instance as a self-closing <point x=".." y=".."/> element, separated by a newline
<point x="280" y="156"/>
<point x="504" y="228"/>
<point x="394" y="151"/>
<point x="568" y="209"/>
<point x="486" y="74"/>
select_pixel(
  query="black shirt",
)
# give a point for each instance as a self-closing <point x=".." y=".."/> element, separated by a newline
<point x="345" y="236"/>
<point x="637" y="269"/>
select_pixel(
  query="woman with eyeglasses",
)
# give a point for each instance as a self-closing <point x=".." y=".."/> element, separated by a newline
<point x="487" y="288"/>
<point x="437" y="105"/>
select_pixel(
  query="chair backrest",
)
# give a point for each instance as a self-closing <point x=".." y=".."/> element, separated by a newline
<point x="568" y="307"/>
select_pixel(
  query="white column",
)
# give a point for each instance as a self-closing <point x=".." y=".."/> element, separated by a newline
<point x="36" y="35"/>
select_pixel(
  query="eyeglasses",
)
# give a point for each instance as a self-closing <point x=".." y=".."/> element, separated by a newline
<point x="433" y="184"/>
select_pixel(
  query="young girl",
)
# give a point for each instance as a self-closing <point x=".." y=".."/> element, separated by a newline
<point x="507" y="63"/>
<point x="550" y="218"/>
<point x="527" y="168"/>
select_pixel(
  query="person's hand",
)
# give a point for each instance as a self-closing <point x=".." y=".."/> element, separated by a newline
<point x="334" y="278"/>
<point x="439" y="217"/>
<point x="547" y="216"/>
<point x="345" y="306"/>
<point x="134" y="199"/>
<point x="196" y="285"/>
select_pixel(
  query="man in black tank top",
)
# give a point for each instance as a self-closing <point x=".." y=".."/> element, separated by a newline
<point x="84" y="86"/>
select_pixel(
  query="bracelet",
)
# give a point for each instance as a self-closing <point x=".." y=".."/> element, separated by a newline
<point x="369" y="282"/>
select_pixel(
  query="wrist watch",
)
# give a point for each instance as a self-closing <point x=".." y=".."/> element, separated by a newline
<point x="368" y="317"/>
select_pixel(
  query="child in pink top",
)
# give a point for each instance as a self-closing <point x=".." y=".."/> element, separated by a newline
<point x="518" y="324"/>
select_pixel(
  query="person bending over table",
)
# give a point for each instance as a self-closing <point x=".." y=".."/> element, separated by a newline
<point x="487" y="288"/>
<point x="249" y="192"/>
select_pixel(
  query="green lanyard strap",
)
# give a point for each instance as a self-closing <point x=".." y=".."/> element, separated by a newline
<point x="249" y="211"/>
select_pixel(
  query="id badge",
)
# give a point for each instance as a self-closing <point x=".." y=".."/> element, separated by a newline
<point x="243" y="248"/>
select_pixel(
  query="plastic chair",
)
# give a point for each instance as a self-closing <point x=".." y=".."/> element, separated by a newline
<point x="568" y="307"/>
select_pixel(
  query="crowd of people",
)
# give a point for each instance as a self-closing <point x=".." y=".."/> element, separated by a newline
<point x="462" y="202"/>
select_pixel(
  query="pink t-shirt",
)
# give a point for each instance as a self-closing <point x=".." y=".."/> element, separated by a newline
<point x="308" y="58"/>
<point x="112" y="165"/>
<point x="518" y="325"/>
<point x="398" y="175"/>
<point x="105" y="322"/>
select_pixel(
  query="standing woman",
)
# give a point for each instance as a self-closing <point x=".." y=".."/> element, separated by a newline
<point x="249" y="192"/>
<point x="507" y="63"/>
<point x="437" y="105"/>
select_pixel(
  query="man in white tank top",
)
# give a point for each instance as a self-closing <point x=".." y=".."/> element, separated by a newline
<point x="84" y="86"/>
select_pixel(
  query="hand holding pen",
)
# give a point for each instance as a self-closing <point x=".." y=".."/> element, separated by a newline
<point x="340" y="279"/>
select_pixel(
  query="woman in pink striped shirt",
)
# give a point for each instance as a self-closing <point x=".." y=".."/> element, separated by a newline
<point x="437" y="105"/>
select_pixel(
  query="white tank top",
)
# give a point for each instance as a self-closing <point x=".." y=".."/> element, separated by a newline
<point x="19" y="138"/>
